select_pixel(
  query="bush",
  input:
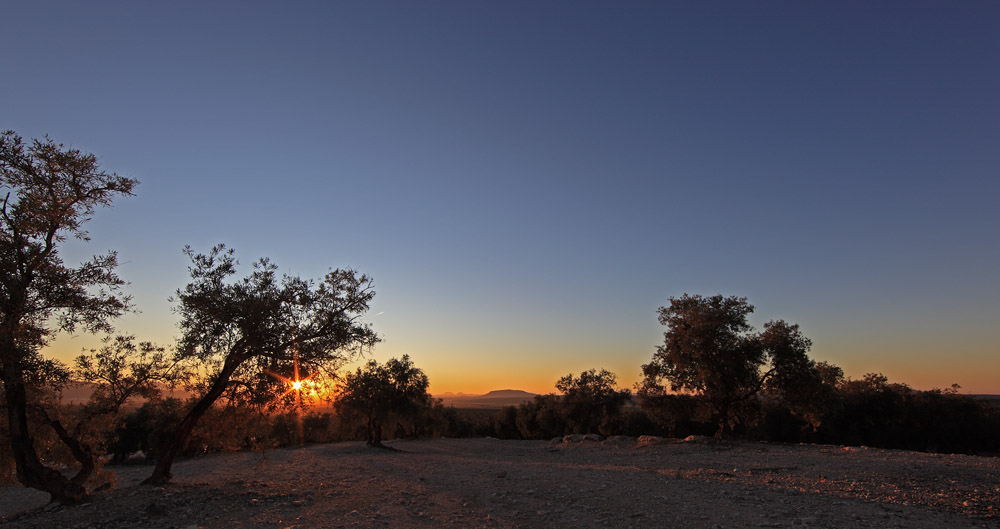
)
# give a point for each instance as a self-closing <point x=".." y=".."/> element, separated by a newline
<point x="678" y="415"/>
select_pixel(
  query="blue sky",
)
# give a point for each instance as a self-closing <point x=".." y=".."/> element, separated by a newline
<point x="528" y="182"/>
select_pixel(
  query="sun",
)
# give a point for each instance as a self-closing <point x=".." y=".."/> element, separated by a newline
<point x="298" y="385"/>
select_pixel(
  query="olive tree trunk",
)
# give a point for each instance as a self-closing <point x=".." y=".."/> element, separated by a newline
<point x="161" y="473"/>
<point x="31" y="472"/>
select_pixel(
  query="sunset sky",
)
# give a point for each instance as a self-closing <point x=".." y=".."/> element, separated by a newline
<point x="528" y="182"/>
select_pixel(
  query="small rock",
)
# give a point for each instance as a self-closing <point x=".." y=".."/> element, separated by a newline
<point x="645" y="440"/>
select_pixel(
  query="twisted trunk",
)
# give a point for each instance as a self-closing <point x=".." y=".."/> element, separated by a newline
<point x="88" y="462"/>
<point x="161" y="473"/>
<point x="30" y="470"/>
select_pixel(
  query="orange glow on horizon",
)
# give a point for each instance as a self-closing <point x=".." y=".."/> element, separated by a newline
<point x="537" y="373"/>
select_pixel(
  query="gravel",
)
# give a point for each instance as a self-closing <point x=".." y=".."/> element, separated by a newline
<point x="534" y="484"/>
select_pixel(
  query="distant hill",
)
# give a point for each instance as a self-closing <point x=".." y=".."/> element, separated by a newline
<point x="495" y="399"/>
<point x="508" y="394"/>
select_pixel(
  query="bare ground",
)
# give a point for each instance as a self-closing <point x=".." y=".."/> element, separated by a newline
<point x="500" y="484"/>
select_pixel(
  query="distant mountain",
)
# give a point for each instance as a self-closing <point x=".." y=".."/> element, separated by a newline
<point x="495" y="399"/>
<point x="508" y="394"/>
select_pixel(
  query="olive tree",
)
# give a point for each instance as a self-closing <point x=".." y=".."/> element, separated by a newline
<point x="249" y="335"/>
<point x="377" y="392"/>
<point x="591" y="399"/>
<point x="710" y="349"/>
<point x="118" y="372"/>
<point x="49" y="192"/>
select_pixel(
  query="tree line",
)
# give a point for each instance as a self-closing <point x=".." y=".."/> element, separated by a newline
<point x="251" y="345"/>
<point x="715" y="376"/>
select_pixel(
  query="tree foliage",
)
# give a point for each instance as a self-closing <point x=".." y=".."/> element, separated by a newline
<point x="381" y="392"/>
<point x="122" y="369"/>
<point x="49" y="192"/>
<point x="117" y="373"/>
<point x="591" y="400"/>
<point x="250" y="335"/>
<point x="710" y="349"/>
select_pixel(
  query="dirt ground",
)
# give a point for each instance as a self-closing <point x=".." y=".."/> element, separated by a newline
<point x="533" y="484"/>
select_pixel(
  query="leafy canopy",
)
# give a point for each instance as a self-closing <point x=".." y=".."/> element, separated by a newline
<point x="48" y="193"/>
<point x="262" y="325"/>
<point x="377" y="392"/>
<point x="591" y="399"/>
<point x="710" y="349"/>
<point x="249" y="335"/>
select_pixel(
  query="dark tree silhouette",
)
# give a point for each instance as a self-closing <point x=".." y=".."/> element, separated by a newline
<point x="377" y="392"/>
<point x="709" y="348"/>
<point x="122" y="369"/>
<point x="542" y="417"/>
<point x="591" y="399"/>
<point x="49" y="192"/>
<point x="118" y="372"/>
<point x="244" y="331"/>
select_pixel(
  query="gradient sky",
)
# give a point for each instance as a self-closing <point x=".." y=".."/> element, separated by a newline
<point x="529" y="181"/>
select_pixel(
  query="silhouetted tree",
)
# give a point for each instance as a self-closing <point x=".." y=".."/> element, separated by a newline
<point x="378" y="392"/>
<point x="829" y="374"/>
<point x="49" y="193"/>
<point x="675" y="414"/>
<point x="117" y="372"/>
<point x="122" y="369"/>
<point x="245" y="331"/>
<point x="710" y="349"/>
<point x="591" y="399"/>
<point x="944" y="421"/>
<point x="146" y="428"/>
<point x="542" y="417"/>
<point x="503" y="424"/>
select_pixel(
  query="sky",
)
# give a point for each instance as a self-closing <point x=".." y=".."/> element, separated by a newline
<point x="527" y="182"/>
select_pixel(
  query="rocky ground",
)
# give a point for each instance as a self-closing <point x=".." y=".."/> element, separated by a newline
<point x="499" y="484"/>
